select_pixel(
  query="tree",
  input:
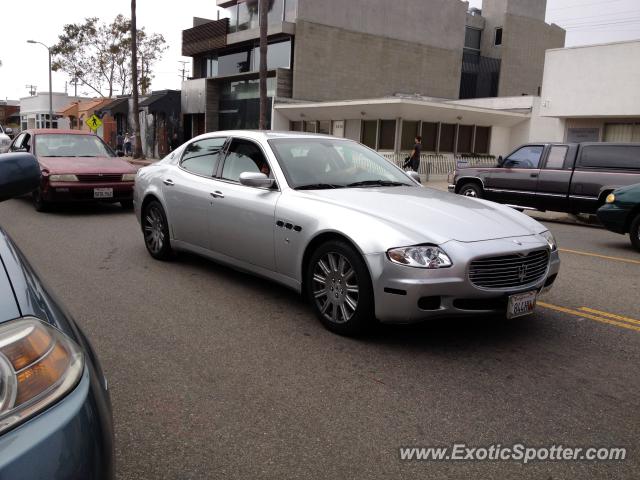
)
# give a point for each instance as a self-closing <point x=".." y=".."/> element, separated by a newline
<point x="263" y="64"/>
<point x="98" y="54"/>
<point x="137" y="151"/>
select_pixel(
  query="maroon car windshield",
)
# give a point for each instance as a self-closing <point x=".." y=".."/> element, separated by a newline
<point x="71" y="145"/>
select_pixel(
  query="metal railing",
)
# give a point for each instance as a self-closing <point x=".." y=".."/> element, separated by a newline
<point x="439" y="164"/>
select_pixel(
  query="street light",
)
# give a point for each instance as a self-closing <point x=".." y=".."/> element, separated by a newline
<point x="50" y="87"/>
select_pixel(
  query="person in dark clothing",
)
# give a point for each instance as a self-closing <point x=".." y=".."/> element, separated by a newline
<point x="175" y="143"/>
<point x="413" y="160"/>
<point x="119" y="142"/>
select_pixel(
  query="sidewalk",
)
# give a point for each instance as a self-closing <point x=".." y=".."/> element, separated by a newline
<point x="439" y="182"/>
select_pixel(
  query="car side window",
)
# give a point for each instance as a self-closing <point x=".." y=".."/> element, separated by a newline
<point x="244" y="156"/>
<point x="202" y="156"/>
<point x="525" y="157"/>
<point x="557" y="155"/>
<point x="17" y="142"/>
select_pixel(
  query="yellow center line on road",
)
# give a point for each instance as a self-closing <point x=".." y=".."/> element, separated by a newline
<point x="606" y="257"/>
<point x="610" y="315"/>
<point x="583" y="314"/>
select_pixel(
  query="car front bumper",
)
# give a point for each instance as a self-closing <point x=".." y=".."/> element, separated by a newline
<point x="71" y="439"/>
<point x="407" y="295"/>
<point x="74" y="192"/>
<point x="613" y="217"/>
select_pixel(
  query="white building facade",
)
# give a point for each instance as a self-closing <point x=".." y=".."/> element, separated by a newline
<point x="34" y="110"/>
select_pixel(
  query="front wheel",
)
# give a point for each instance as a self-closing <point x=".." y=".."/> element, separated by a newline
<point x="470" y="190"/>
<point x="40" y="204"/>
<point x="339" y="288"/>
<point x="156" y="231"/>
<point x="634" y="232"/>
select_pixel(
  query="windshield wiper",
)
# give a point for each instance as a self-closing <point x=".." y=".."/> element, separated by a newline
<point x="378" y="183"/>
<point x="318" y="186"/>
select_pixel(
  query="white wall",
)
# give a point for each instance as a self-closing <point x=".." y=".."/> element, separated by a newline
<point x="40" y="103"/>
<point x="592" y="81"/>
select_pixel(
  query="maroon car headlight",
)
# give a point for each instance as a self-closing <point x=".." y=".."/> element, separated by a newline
<point x="63" y="178"/>
<point x="38" y="366"/>
<point x="129" y="177"/>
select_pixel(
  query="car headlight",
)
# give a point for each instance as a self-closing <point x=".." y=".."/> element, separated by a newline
<point x="610" y="198"/>
<point x="420" y="256"/>
<point x="63" y="178"/>
<point x="550" y="240"/>
<point x="38" y="365"/>
<point x="129" y="177"/>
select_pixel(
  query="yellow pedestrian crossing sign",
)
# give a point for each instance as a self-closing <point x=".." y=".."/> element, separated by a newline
<point x="94" y="122"/>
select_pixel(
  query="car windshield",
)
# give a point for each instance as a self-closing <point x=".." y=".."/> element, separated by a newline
<point x="323" y="163"/>
<point x="71" y="145"/>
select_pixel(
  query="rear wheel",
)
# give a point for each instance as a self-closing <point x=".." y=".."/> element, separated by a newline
<point x="470" y="190"/>
<point x="634" y="232"/>
<point x="339" y="288"/>
<point x="156" y="231"/>
<point x="40" y="204"/>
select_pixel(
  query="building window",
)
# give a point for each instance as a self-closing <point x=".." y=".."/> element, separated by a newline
<point x="472" y="37"/>
<point x="387" y="135"/>
<point x="232" y="13"/>
<point x="429" y="136"/>
<point x="465" y="138"/>
<point x="370" y="133"/>
<point x="482" y="139"/>
<point x="234" y="63"/>
<point x="409" y="133"/>
<point x="248" y="15"/>
<point x="324" y="126"/>
<point x="275" y="11"/>
<point x="447" y="137"/>
<point x="498" y="37"/>
<point x="211" y="66"/>
<point x="278" y="56"/>
<point x="622" y="132"/>
<point x="311" y="127"/>
<point x="296" y="126"/>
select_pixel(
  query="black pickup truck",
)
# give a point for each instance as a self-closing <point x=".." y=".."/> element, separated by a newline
<point x="563" y="177"/>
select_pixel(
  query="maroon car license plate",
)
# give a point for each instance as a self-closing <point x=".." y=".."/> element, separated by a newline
<point x="103" y="193"/>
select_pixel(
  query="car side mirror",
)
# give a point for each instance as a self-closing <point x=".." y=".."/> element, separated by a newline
<point x="19" y="175"/>
<point x="8" y="131"/>
<point x="500" y="161"/>
<point x="255" y="179"/>
<point x="414" y="176"/>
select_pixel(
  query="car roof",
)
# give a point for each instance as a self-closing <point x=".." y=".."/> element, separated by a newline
<point x="267" y="134"/>
<point x="59" y="131"/>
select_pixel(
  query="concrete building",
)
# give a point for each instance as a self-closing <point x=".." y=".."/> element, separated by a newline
<point x="336" y="50"/>
<point x="34" y="110"/>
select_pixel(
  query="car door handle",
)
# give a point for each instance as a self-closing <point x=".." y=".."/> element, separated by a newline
<point x="168" y="181"/>
<point x="217" y="194"/>
<point x="534" y="175"/>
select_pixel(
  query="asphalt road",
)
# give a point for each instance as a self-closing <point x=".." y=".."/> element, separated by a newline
<point x="216" y="374"/>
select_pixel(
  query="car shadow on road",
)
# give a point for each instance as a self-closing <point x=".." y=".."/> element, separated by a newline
<point x="77" y="209"/>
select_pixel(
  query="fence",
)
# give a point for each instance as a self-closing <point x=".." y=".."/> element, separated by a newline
<point x="439" y="164"/>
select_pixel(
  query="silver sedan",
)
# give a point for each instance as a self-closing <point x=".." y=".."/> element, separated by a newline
<point x="335" y="221"/>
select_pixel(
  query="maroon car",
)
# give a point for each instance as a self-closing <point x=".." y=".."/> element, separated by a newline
<point x="76" y="166"/>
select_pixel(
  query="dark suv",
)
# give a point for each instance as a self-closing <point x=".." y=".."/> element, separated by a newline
<point x="564" y="177"/>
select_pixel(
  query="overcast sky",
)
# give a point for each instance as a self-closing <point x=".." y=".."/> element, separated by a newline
<point x="586" y="21"/>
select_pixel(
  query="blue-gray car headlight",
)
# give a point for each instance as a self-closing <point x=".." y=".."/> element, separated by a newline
<point x="550" y="240"/>
<point x="420" y="256"/>
<point x="38" y="366"/>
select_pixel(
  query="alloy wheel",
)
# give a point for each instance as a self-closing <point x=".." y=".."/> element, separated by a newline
<point x="335" y="287"/>
<point x="154" y="229"/>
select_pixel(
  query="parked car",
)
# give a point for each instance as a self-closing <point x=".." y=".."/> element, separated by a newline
<point x="621" y="212"/>
<point x="571" y="177"/>
<point x="55" y="412"/>
<point x="76" y="166"/>
<point x="5" y="139"/>
<point x="333" y="219"/>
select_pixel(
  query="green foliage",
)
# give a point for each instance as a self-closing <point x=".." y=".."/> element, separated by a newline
<point x="98" y="55"/>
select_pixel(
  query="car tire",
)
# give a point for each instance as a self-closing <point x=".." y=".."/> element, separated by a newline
<point x="126" y="204"/>
<point x="155" y="230"/>
<point x="634" y="232"/>
<point x="470" y="190"/>
<point x="338" y="286"/>
<point x="40" y="204"/>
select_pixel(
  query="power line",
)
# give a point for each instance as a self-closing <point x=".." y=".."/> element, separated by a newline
<point x="585" y="5"/>
<point x="567" y="19"/>
<point x="586" y="26"/>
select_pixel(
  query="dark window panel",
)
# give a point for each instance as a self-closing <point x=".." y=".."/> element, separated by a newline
<point x="369" y="132"/>
<point x="447" y="137"/>
<point x="482" y="139"/>
<point x="429" y="136"/>
<point x="387" y="134"/>
<point x="465" y="137"/>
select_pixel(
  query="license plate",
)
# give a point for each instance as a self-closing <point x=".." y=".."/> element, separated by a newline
<point x="521" y="304"/>
<point x="103" y="193"/>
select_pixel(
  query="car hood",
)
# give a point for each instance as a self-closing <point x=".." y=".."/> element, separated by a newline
<point x="86" y="165"/>
<point x="433" y="215"/>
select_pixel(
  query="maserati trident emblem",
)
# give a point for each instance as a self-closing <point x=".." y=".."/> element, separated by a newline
<point x="522" y="272"/>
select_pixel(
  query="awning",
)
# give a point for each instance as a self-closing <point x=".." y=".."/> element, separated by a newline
<point x="119" y="105"/>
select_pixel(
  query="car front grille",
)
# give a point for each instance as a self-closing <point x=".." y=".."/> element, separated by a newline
<point x="100" y="177"/>
<point x="509" y="271"/>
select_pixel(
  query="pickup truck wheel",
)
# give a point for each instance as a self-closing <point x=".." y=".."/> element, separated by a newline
<point x="634" y="232"/>
<point x="470" y="190"/>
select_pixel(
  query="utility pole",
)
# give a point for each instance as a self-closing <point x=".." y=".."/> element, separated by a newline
<point x="262" y="15"/>
<point x="32" y="89"/>
<point x="74" y="82"/>
<point x="137" y="151"/>
<point x="183" y="70"/>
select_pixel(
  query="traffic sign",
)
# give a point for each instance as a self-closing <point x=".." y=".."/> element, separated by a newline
<point x="94" y="122"/>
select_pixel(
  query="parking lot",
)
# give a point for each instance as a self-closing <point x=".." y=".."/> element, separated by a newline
<point x="214" y="373"/>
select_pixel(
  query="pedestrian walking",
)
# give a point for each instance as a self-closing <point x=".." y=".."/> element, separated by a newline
<point x="127" y="144"/>
<point x="119" y="143"/>
<point x="413" y="160"/>
<point x="175" y="143"/>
